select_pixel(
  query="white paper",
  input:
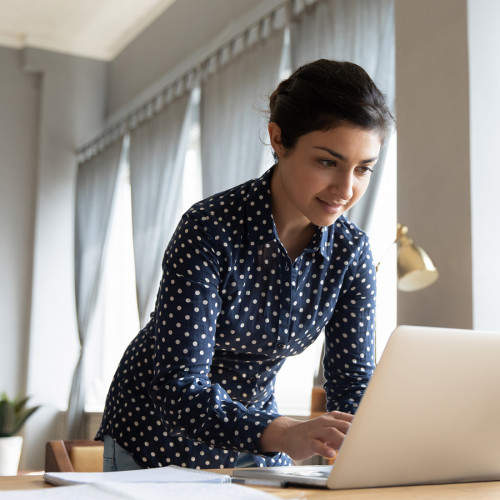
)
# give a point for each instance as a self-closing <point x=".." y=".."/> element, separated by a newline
<point x="170" y="474"/>
<point x="141" y="491"/>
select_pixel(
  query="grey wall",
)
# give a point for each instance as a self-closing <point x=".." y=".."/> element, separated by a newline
<point x="432" y="106"/>
<point x="19" y="117"/>
<point x="448" y="103"/>
<point x="71" y="107"/>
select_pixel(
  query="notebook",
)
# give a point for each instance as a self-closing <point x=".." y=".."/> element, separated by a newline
<point x="168" y="474"/>
<point x="430" y="414"/>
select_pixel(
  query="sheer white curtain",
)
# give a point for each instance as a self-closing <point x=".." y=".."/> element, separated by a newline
<point x="157" y="151"/>
<point x="360" y="31"/>
<point x="95" y="189"/>
<point x="233" y="104"/>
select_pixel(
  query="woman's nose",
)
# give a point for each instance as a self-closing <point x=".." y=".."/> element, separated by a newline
<point x="342" y="185"/>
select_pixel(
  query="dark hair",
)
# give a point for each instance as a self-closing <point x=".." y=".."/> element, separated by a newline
<point x="324" y="94"/>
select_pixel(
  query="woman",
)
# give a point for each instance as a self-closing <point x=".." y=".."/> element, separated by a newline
<point x="251" y="276"/>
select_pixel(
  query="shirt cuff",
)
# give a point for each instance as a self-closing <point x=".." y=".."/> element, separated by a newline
<point x="249" y="429"/>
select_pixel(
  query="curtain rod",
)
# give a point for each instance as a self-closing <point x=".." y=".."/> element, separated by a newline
<point x="277" y="18"/>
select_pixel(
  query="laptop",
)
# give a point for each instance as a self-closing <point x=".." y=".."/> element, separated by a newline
<point x="430" y="414"/>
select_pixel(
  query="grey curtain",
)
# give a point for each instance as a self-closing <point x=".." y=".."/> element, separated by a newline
<point x="157" y="152"/>
<point x="233" y="104"/>
<point x="360" y="31"/>
<point x="95" y="189"/>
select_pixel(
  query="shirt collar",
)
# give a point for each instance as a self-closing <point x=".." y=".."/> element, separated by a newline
<point x="322" y="242"/>
<point x="259" y="218"/>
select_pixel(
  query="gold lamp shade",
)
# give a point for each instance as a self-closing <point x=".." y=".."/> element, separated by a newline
<point x="415" y="268"/>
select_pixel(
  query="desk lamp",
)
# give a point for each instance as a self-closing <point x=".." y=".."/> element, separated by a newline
<point x="415" y="268"/>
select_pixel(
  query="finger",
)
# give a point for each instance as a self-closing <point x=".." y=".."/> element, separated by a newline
<point x="321" y="448"/>
<point x="348" y="417"/>
<point x="330" y="437"/>
<point x="329" y="421"/>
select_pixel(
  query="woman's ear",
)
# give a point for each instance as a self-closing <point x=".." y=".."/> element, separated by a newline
<point x="275" y="137"/>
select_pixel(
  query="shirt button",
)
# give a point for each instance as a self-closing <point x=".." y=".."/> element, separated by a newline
<point x="281" y="345"/>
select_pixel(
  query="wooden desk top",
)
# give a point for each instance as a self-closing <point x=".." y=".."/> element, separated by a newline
<point x="476" y="491"/>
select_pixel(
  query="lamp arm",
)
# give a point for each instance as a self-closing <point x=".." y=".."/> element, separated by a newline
<point x="401" y="231"/>
<point x="385" y="254"/>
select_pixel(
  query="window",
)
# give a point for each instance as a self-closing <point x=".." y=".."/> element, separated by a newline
<point x="116" y="319"/>
<point x="192" y="183"/>
<point x="382" y="236"/>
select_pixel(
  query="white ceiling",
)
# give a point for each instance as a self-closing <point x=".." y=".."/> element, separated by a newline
<point x="99" y="29"/>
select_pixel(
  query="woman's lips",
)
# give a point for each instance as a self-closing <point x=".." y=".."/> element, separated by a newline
<point x="331" y="207"/>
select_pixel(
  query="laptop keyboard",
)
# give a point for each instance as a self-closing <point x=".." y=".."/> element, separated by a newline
<point x="320" y="471"/>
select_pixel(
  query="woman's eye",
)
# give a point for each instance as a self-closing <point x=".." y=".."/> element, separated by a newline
<point x="328" y="163"/>
<point x="364" y="170"/>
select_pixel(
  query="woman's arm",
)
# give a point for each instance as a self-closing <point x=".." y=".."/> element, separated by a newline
<point x="349" y="358"/>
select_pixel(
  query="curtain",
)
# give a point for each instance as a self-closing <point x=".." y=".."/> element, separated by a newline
<point x="95" y="188"/>
<point x="157" y="151"/>
<point x="360" y="31"/>
<point x="233" y="104"/>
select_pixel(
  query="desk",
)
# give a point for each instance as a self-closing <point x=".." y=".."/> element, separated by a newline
<point x="476" y="491"/>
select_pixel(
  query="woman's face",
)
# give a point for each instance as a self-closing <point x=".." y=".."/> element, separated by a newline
<point x="325" y="174"/>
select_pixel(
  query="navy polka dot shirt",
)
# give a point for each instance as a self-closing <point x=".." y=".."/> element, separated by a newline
<point x="196" y="386"/>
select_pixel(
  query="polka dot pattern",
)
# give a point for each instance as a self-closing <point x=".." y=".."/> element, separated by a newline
<point x="196" y="386"/>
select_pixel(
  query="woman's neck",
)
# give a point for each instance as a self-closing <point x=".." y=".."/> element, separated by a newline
<point x="296" y="239"/>
<point x="295" y="231"/>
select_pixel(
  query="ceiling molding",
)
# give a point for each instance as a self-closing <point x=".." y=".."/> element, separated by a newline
<point x="98" y="29"/>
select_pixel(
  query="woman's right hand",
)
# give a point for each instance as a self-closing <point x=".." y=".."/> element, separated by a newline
<point x="302" y="439"/>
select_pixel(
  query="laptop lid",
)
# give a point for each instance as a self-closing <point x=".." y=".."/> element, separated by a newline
<point x="430" y="414"/>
